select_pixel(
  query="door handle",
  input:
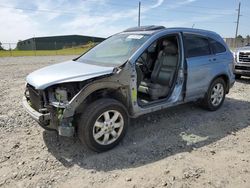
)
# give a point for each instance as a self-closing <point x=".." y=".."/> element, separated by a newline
<point x="212" y="59"/>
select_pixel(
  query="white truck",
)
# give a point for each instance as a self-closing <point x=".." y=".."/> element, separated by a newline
<point x="242" y="61"/>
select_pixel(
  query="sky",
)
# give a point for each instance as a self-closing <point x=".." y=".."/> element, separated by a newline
<point x="22" y="19"/>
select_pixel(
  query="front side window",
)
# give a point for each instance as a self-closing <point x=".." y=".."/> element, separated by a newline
<point x="196" y="45"/>
<point x="115" y="50"/>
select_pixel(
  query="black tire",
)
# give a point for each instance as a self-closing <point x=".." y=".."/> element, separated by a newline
<point x="237" y="76"/>
<point x="89" y="117"/>
<point x="207" y="101"/>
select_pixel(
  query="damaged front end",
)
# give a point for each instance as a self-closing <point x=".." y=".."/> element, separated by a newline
<point x="47" y="107"/>
<point x="54" y="95"/>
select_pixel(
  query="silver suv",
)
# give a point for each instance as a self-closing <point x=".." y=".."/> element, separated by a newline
<point x="135" y="72"/>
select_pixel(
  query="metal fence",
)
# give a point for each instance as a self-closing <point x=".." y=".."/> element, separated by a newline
<point x="236" y="43"/>
<point x="58" y="48"/>
<point x="43" y="48"/>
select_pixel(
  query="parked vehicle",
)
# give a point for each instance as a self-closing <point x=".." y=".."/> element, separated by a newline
<point x="135" y="72"/>
<point x="242" y="61"/>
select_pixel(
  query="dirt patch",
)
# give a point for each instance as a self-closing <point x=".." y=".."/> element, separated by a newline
<point x="183" y="146"/>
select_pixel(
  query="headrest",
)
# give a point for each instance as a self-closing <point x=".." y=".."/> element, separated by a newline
<point x="169" y="47"/>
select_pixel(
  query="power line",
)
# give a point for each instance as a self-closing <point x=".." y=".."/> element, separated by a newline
<point x="193" y="12"/>
<point x="132" y="5"/>
<point x="70" y="11"/>
<point x="211" y="8"/>
<point x="36" y="10"/>
<point x="147" y="18"/>
<point x="183" y="11"/>
<point x="157" y="18"/>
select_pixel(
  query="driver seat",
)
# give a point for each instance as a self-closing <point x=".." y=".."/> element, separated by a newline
<point x="163" y="72"/>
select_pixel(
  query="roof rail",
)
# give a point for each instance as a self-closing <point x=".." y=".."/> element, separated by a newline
<point x="145" y="28"/>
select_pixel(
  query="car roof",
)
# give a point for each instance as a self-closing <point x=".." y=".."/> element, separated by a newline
<point x="145" y="28"/>
<point x="152" y="29"/>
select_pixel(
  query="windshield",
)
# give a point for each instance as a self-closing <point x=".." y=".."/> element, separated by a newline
<point x="115" y="50"/>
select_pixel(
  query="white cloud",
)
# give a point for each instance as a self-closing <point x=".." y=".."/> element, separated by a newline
<point x="96" y="25"/>
<point x="15" y="25"/>
<point x="81" y="17"/>
<point x="158" y="3"/>
<point x="103" y="25"/>
<point x="190" y="21"/>
<point x="83" y="20"/>
<point x="180" y="3"/>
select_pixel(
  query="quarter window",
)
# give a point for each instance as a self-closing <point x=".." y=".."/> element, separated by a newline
<point x="196" y="45"/>
<point x="217" y="47"/>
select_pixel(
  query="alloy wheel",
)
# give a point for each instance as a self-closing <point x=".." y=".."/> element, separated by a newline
<point x="108" y="127"/>
<point x="217" y="94"/>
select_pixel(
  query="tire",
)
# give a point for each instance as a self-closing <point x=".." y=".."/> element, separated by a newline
<point x="214" y="99"/>
<point x="237" y="76"/>
<point x="97" y="129"/>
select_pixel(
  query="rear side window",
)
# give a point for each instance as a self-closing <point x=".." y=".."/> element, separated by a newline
<point x="196" y="45"/>
<point x="216" y="46"/>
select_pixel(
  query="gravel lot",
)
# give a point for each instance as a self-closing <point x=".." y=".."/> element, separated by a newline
<point x="184" y="146"/>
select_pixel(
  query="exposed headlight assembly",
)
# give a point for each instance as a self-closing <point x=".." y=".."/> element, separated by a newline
<point x="61" y="95"/>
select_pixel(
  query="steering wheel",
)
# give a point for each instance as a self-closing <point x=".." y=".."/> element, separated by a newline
<point x="143" y="63"/>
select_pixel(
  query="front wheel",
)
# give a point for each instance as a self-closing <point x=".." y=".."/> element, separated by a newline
<point x="215" y="95"/>
<point x="103" y="125"/>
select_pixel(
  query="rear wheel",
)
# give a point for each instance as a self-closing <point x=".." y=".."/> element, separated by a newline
<point x="103" y="125"/>
<point x="237" y="76"/>
<point x="215" y="95"/>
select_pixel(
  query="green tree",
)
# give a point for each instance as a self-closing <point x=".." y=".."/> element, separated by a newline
<point x="248" y="38"/>
<point x="239" y="41"/>
<point x="1" y="48"/>
<point x="239" y="37"/>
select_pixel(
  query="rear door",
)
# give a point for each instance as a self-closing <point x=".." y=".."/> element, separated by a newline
<point x="219" y="51"/>
<point x="198" y="64"/>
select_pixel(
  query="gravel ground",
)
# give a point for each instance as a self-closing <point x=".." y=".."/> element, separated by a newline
<point x="184" y="146"/>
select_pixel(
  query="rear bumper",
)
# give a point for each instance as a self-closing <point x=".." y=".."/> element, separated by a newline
<point x="37" y="116"/>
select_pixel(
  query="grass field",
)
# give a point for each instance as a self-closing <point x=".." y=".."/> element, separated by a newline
<point x="67" y="51"/>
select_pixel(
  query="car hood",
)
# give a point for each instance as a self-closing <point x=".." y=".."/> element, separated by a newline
<point x="69" y="71"/>
<point x="243" y="49"/>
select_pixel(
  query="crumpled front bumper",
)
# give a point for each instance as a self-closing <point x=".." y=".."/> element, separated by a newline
<point x="42" y="119"/>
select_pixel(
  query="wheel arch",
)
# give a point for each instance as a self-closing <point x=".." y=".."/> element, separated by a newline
<point x="112" y="93"/>
<point x="94" y="91"/>
<point x="224" y="77"/>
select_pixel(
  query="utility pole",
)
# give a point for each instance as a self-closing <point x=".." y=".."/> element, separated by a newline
<point x="139" y="14"/>
<point x="237" y="24"/>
